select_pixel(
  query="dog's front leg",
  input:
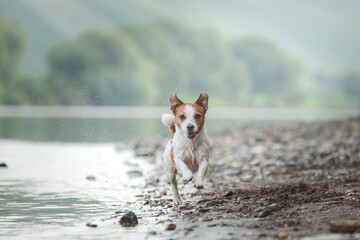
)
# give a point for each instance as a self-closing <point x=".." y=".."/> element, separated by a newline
<point x="185" y="171"/>
<point x="199" y="180"/>
<point x="176" y="195"/>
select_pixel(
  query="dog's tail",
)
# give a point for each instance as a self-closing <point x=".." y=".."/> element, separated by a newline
<point x="168" y="120"/>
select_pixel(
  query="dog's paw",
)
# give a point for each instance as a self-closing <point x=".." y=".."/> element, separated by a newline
<point x="176" y="201"/>
<point x="187" y="179"/>
<point x="198" y="186"/>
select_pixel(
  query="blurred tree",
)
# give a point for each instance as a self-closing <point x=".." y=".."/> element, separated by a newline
<point x="272" y="72"/>
<point x="132" y="65"/>
<point x="101" y="67"/>
<point x="12" y="46"/>
<point x="190" y="60"/>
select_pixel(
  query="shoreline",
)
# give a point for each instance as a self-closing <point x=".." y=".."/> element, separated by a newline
<point x="285" y="181"/>
<point x="268" y="182"/>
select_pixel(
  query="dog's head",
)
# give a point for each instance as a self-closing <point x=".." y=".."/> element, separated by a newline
<point x="189" y="117"/>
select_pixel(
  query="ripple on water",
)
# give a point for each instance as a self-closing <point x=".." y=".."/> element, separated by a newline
<point x="45" y="194"/>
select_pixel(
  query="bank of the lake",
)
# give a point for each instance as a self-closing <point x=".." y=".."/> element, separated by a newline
<point x="264" y="182"/>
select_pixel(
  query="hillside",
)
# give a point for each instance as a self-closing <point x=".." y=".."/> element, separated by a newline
<point x="324" y="34"/>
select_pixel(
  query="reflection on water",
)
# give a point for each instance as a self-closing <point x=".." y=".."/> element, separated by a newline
<point x="20" y="205"/>
<point x="113" y="124"/>
<point x="45" y="191"/>
<point x="80" y="130"/>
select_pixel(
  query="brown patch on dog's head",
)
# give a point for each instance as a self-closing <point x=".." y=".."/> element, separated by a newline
<point x="189" y="117"/>
<point x="180" y="115"/>
<point x="203" y="101"/>
<point x="174" y="103"/>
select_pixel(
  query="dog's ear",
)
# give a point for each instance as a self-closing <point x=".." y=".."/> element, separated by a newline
<point x="203" y="101"/>
<point x="174" y="102"/>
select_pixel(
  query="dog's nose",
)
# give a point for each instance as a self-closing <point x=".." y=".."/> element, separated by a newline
<point x="190" y="127"/>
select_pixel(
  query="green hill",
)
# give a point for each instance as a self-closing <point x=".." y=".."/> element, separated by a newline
<point x="324" y="34"/>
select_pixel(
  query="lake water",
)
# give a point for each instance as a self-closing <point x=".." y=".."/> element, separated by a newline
<point x="45" y="193"/>
<point x="114" y="124"/>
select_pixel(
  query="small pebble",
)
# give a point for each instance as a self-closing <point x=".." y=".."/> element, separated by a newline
<point x="171" y="227"/>
<point x="283" y="235"/>
<point x="129" y="220"/>
<point x="207" y="220"/>
<point x="228" y="194"/>
<point x="134" y="174"/>
<point x="91" y="178"/>
<point x="91" y="225"/>
<point x="3" y="165"/>
<point x="269" y="210"/>
<point x="204" y="209"/>
<point x="344" y="226"/>
<point x="202" y="201"/>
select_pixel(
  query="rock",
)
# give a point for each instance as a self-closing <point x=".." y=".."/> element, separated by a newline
<point x="120" y="211"/>
<point x="204" y="209"/>
<point x="202" y="201"/>
<point x="265" y="213"/>
<point x="148" y="153"/>
<point x="207" y="220"/>
<point x="91" y="225"/>
<point x="185" y="208"/>
<point x="129" y="220"/>
<point x="344" y="226"/>
<point x="91" y="178"/>
<point x="3" y="165"/>
<point x="228" y="194"/>
<point x="331" y="237"/>
<point x="171" y="227"/>
<point x="269" y="210"/>
<point x="282" y="235"/>
<point x="213" y="203"/>
<point x="134" y="174"/>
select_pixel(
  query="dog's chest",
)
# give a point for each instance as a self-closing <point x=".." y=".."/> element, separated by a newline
<point x="190" y="160"/>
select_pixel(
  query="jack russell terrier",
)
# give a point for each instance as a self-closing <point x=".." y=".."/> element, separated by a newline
<point x="188" y="149"/>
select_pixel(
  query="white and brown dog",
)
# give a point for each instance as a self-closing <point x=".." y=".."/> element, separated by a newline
<point x="188" y="149"/>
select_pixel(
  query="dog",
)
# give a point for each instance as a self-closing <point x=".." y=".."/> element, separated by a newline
<point x="188" y="150"/>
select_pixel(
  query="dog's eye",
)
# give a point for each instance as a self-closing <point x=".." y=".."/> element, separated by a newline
<point x="197" y="116"/>
<point x="182" y="117"/>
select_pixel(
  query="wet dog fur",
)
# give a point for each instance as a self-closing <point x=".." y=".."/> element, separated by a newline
<point x="187" y="152"/>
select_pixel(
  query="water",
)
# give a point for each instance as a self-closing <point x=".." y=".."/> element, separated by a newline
<point x="44" y="192"/>
<point x="114" y="124"/>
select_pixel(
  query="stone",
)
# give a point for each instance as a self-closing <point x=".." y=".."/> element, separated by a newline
<point x="344" y="226"/>
<point x="171" y="227"/>
<point x="283" y="235"/>
<point x="91" y="178"/>
<point x="134" y="174"/>
<point x="91" y="225"/>
<point x="129" y="220"/>
<point x="228" y="194"/>
<point x="204" y="209"/>
<point x="202" y="201"/>
<point x="269" y="210"/>
<point x="331" y="237"/>
<point x="3" y="165"/>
